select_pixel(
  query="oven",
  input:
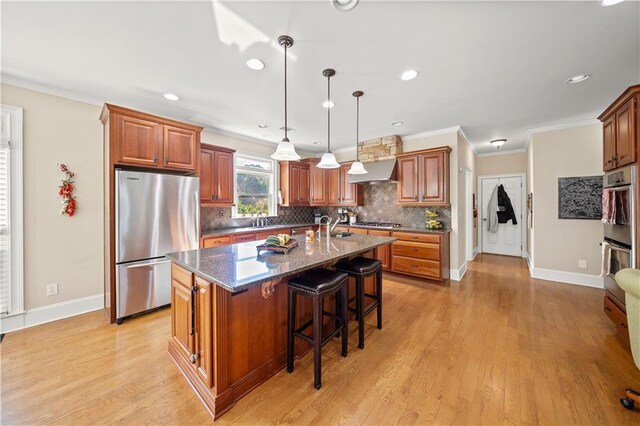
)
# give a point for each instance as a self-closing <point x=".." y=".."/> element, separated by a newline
<point x="619" y="225"/>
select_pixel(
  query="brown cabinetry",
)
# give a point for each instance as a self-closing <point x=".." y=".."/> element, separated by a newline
<point x="294" y="183"/>
<point x="182" y="311"/>
<point x="382" y="253"/>
<point x="423" y="177"/>
<point x="203" y="361"/>
<point x="618" y="316"/>
<point x="235" y="239"/>
<point x="422" y="255"/>
<point x="148" y="141"/>
<point x="331" y="187"/>
<point x="216" y="176"/>
<point x="620" y="130"/>
<point x="318" y="189"/>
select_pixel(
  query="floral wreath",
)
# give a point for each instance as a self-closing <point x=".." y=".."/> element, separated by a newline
<point x="66" y="192"/>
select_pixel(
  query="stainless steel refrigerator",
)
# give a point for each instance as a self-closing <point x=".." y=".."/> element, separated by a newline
<point x="156" y="214"/>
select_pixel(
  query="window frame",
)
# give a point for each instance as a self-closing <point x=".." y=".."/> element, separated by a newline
<point x="16" y="289"/>
<point x="273" y="205"/>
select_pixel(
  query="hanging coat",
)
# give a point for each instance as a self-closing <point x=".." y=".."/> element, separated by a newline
<point x="505" y="209"/>
<point x="492" y="211"/>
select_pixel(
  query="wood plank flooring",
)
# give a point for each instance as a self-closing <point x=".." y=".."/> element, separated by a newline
<point x="497" y="348"/>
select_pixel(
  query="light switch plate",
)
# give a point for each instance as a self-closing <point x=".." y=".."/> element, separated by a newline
<point x="582" y="264"/>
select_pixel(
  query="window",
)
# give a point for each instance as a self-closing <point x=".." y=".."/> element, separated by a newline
<point x="10" y="210"/>
<point x="255" y="186"/>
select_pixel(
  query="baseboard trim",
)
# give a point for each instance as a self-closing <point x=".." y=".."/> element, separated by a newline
<point x="457" y="274"/>
<point x="476" y="250"/>
<point x="49" y="313"/>
<point x="575" y="278"/>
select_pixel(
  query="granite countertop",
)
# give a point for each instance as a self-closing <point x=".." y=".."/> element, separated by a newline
<point x="236" y="267"/>
<point x="209" y="233"/>
<point x="402" y="229"/>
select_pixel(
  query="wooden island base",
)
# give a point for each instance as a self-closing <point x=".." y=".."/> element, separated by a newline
<point x="227" y="343"/>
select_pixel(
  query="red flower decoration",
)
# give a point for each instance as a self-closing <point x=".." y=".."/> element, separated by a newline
<point x="66" y="192"/>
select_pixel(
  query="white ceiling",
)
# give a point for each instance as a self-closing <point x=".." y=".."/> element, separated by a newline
<point x="495" y="68"/>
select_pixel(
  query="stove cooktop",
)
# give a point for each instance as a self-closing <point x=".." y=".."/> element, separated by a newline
<point x="389" y="225"/>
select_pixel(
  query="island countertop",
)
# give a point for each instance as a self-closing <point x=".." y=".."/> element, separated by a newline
<point x="237" y="267"/>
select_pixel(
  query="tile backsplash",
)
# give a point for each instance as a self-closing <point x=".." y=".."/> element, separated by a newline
<point x="210" y="217"/>
<point x="380" y="206"/>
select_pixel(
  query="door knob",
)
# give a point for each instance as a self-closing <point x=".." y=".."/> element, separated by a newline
<point x="484" y="220"/>
<point x="193" y="358"/>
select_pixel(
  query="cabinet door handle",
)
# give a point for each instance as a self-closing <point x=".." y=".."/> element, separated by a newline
<point x="608" y="309"/>
<point x="194" y="292"/>
<point x="155" y="160"/>
<point x="166" y="160"/>
<point x="193" y="358"/>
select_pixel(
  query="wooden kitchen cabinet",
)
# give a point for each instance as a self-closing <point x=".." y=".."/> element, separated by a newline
<point x="215" y="241"/>
<point x="318" y="188"/>
<point x="216" y="176"/>
<point x="620" y="135"/>
<point x="294" y="183"/>
<point x="182" y="308"/>
<point x="423" y="255"/>
<point x="235" y="239"/>
<point x="382" y="253"/>
<point x="350" y="193"/>
<point x="145" y="140"/>
<point x="204" y="302"/>
<point x="423" y="177"/>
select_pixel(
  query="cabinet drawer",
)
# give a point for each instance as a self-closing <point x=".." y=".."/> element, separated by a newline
<point x="422" y="238"/>
<point x="182" y="276"/>
<point x="425" y="251"/>
<point x="617" y="316"/>
<point x="301" y="230"/>
<point x="423" y="268"/>
<point x="215" y="241"/>
<point x="360" y="231"/>
<point x="243" y="238"/>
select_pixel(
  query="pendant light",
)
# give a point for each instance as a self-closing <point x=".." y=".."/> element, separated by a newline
<point x="357" y="168"/>
<point x="285" y="150"/>
<point x="328" y="160"/>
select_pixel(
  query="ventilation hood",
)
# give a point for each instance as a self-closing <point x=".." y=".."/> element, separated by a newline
<point x="378" y="172"/>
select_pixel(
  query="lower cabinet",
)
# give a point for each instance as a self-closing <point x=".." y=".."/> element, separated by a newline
<point x="617" y="316"/>
<point x="421" y="255"/>
<point x="382" y="253"/>
<point x="182" y="327"/>
<point x="235" y="239"/>
<point x="215" y="241"/>
<point x="204" y="302"/>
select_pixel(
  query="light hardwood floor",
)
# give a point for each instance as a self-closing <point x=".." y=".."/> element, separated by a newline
<point x="497" y="348"/>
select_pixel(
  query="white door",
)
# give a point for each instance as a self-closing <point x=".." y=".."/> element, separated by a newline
<point x="508" y="239"/>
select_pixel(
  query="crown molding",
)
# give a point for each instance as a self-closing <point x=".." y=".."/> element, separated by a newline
<point x="417" y="136"/>
<point x="563" y="126"/>
<point x="461" y="132"/>
<point x="12" y="80"/>
<point x="507" y="152"/>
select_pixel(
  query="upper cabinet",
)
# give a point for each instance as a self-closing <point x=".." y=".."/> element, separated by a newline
<point x="294" y="183"/>
<point x="423" y="177"/>
<point x="620" y="135"/>
<point x="318" y="194"/>
<point x="216" y="176"/>
<point x="350" y="193"/>
<point x="145" y="140"/>
<point x="331" y="187"/>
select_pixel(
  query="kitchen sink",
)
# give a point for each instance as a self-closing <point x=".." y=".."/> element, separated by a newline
<point x="341" y="234"/>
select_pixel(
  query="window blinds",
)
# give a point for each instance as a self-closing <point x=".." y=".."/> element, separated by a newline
<point x="5" y="221"/>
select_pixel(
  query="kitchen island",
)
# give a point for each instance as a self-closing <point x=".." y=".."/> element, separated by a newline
<point x="229" y="311"/>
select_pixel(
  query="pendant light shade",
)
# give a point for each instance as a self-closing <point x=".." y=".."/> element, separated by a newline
<point x="328" y="160"/>
<point x="285" y="150"/>
<point x="357" y="168"/>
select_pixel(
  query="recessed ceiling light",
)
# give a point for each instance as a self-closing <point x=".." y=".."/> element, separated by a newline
<point x="396" y="123"/>
<point x="255" y="64"/>
<point x="262" y="126"/>
<point x="316" y="143"/>
<point x="328" y="104"/>
<point x="344" y="5"/>
<point x="171" y="97"/>
<point x="409" y="75"/>
<point x="577" y="78"/>
<point x="607" y="3"/>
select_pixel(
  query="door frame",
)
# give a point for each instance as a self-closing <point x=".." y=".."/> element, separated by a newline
<point x="523" y="202"/>
<point x="468" y="176"/>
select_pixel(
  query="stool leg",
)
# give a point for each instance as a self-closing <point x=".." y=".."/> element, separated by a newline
<point x="338" y="311"/>
<point x="360" y="309"/>
<point x="291" y="323"/>
<point x="379" y="296"/>
<point x="317" y="342"/>
<point x="344" y="316"/>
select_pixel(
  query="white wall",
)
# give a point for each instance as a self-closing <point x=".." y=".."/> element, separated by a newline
<point x="558" y="244"/>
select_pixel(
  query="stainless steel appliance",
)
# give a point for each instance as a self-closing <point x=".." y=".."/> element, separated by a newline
<point x="619" y="236"/>
<point x="156" y="214"/>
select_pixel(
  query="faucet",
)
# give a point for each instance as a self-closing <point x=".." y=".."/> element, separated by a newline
<point x="329" y="229"/>
<point x="334" y="225"/>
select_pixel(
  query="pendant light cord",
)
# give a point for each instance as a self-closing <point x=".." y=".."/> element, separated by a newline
<point x="285" y="93"/>
<point x="357" y="125"/>
<point x="329" y="114"/>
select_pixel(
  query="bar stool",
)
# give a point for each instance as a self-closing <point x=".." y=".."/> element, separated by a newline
<point x="361" y="268"/>
<point x="318" y="284"/>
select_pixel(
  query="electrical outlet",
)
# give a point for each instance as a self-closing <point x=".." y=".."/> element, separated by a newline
<point x="582" y="264"/>
<point x="221" y="213"/>
<point x="52" y="289"/>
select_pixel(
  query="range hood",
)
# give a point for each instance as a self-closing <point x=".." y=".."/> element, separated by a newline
<point x="378" y="172"/>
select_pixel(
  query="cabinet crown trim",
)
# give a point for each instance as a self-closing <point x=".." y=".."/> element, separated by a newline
<point x="424" y="151"/>
<point x="110" y="108"/>
<point x="621" y="100"/>
<point x="210" y="147"/>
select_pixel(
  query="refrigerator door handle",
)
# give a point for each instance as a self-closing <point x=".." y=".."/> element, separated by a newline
<point x="146" y="265"/>
<point x="196" y="201"/>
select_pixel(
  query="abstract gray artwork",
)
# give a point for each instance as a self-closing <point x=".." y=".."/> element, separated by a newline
<point x="580" y="197"/>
